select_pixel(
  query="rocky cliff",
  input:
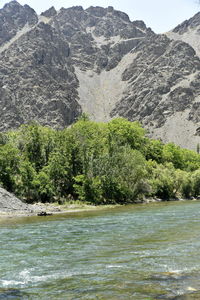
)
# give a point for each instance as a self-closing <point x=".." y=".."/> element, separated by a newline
<point x="55" y="66"/>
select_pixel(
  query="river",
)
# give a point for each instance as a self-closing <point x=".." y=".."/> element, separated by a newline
<point x="134" y="252"/>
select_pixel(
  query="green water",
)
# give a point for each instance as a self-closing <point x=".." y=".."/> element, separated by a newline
<point x="135" y="252"/>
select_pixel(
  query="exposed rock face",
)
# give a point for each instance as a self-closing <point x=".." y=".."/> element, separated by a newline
<point x="14" y="17"/>
<point x="37" y="79"/>
<point x="60" y="64"/>
<point x="10" y="204"/>
<point x="39" y="58"/>
<point x="187" y="119"/>
<point x="50" y="12"/>
<point x="155" y="81"/>
<point x="189" y="32"/>
<point x="192" y="23"/>
<point x="99" y="37"/>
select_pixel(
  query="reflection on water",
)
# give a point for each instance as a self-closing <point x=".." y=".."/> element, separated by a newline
<point x="136" y="252"/>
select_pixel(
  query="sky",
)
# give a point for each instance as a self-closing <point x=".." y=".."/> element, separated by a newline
<point x="160" y="15"/>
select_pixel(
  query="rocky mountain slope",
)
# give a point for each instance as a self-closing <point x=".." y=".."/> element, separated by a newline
<point x="9" y="204"/>
<point x="55" y="66"/>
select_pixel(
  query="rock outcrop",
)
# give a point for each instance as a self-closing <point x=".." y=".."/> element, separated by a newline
<point x="162" y="84"/>
<point x="60" y="64"/>
<point x="13" y="17"/>
<point x="10" y="204"/>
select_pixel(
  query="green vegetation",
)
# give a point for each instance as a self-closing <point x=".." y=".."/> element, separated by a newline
<point x="95" y="162"/>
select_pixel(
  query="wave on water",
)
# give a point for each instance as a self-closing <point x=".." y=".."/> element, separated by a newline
<point x="114" y="266"/>
<point x="184" y="270"/>
<point x="25" y="278"/>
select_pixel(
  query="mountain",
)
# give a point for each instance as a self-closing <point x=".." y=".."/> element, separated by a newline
<point x="57" y="65"/>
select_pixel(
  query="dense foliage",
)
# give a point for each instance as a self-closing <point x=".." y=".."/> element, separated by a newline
<point x="95" y="162"/>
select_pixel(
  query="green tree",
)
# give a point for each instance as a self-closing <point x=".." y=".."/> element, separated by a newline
<point x="123" y="132"/>
<point x="25" y="187"/>
<point x="162" y="180"/>
<point x="9" y="165"/>
<point x="116" y="177"/>
<point x="196" y="183"/>
<point x="154" y="150"/>
<point x="43" y="186"/>
<point x="32" y="144"/>
<point x="172" y="153"/>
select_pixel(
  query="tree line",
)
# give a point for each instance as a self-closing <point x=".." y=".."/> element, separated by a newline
<point x="98" y="163"/>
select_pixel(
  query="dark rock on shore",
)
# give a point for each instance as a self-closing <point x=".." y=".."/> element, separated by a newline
<point x="44" y="214"/>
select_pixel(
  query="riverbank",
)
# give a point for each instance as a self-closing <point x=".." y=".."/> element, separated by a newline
<point x="55" y="208"/>
<point x="11" y="206"/>
<point x="48" y="209"/>
<point x="41" y="209"/>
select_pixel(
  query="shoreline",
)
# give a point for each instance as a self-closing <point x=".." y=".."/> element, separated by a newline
<point x="53" y="209"/>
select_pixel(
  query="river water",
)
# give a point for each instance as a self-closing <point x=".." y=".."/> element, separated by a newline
<point x="134" y="252"/>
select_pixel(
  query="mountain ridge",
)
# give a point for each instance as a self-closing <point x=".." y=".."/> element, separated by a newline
<point x="62" y="63"/>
